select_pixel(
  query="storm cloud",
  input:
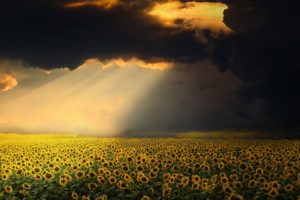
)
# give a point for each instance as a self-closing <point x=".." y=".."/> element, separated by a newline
<point x="48" y="34"/>
<point x="261" y="48"/>
<point x="263" y="54"/>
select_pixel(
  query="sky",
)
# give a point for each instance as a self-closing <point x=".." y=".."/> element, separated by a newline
<point x="112" y="67"/>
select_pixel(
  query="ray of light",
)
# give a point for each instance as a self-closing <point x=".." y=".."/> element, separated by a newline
<point x="91" y="99"/>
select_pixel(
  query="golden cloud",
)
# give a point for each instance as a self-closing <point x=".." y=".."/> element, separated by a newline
<point x="7" y="82"/>
<point x="191" y="15"/>
<point x="106" y="4"/>
<point x="133" y="62"/>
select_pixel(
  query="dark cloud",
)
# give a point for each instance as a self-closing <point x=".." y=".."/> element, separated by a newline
<point x="44" y="33"/>
<point x="262" y="53"/>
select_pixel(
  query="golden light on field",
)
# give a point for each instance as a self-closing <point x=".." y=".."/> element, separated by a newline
<point x="81" y="167"/>
<point x="106" y="4"/>
<point x="191" y="15"/>
<point x="92" y="99"/>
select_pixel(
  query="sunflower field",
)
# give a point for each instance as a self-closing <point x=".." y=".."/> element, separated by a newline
<point x="86" y="167"/>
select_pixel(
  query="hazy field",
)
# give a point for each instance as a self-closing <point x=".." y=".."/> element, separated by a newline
<point x="77" y="167"/>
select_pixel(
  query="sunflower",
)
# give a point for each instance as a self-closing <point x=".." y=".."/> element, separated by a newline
<point x="117" y="172"/>
<point x="195" y="186"/>
<point x="185" y="180"/>
<point x="80" y="174"/>
<point x="166" y="191"/>
<point x="235" y="197"/>
<point x="145" y="197"/>
<point x="85" y="197"/>
<point x="233" y="177"/>
<point x="259" y="171"/>
<point x="8" y="189"/>
<point x="155" y="169"/>
<point x="103" y="197"/>
<point x="62" y="182"/>
<point x="26" y="186"/>
<point x="180" y="185"/>
<point x="288" y="187"/>
<point x="273" y="192"/>
<point x="129" y="159"/>
<point x="227" y="189"/>
<point x="196" y="179"/>
<point x="204" y="186"/>
<point x="206" y="168"/>
<point x="256" y="176"/>
<point x="19" y="172"/>
<point x="140" y="168"/>
<point x="152" y="174"/>
<point x="144" y="179"/>
<point x="56" y="169"/>
<point x="246" y="177"/>
<point x="150" y="190"/>
<point x="91" y="174"/>
<point x="125" y="167"/>
<point x="172" y="179"/>
<point x="222" y="174"/>
<point x="274" y="185"/>
<point x="51" y="165"/>
<point x="211" y="188"/>
<point x="37" y="177"/>
<point x="101" y="180"/>
<point x="166" y="176"/>
<point x="75" y="167"/>
<point x="237" y="185"/>
<point x="37" y="170"/>
<point x="92" y="186"/>
<point x="190" y="170"/>
<point x="179" y="177"/>
<point x="74" y="195"/>
<point x="101" y="171"/>
<point x="122" y="185"/>
<point x="197" y="165"/>
<point x="266" y="186"/>
<point x="48" y="176"/>
<point x="221" y="165"/>
<point x="205" y="180"/>
<point x="243" y="166"/>
<point x="224" y="180"/>
<point x="4" y="177"/>
<point x="133" y="174"/>
<point x="105" y="165"/>
<point x="112" y="180"/>
<point x="261" y="180"/>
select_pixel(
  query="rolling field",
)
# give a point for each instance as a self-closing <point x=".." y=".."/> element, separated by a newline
<point x="78" y="167"/>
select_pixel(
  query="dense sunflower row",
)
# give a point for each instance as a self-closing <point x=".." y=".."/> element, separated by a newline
<point x="73" y="167"/>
